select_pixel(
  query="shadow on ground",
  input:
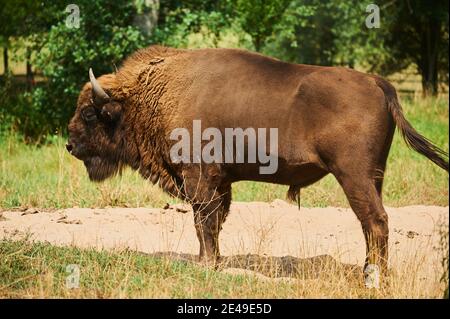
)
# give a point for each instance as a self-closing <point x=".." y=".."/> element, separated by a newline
<point x="287" y="266"/>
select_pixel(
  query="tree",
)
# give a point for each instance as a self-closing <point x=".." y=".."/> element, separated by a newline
<point x="64" y="53"/>
<point x="417" y="32"/>
<point x="412" y="32"/>
<point x="146" y="18"/>
<point x="179" y="19"/>
<point x="4" y="44"/>
<point x="304" y="34"/>
<point x="259" y="17"/>
<point x="25" y="19"/>
<point x="321" y="32"/>
<point x="105" y="36"/>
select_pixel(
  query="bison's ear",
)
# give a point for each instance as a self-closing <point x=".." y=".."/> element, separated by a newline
<point x="111" y="111"/>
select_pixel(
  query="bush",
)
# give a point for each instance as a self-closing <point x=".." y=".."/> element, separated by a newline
<point x="64" y="56"/>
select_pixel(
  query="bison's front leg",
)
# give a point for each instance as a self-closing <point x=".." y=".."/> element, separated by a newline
<point x="210" y="195"/>
<point x="208" y="218"/>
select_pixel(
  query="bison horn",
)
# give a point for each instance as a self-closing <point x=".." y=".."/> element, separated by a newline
<point x="154" y="178"/>
<point x="100" y="96"/>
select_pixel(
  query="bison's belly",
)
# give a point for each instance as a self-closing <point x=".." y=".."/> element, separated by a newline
<point x="286" y="174"/>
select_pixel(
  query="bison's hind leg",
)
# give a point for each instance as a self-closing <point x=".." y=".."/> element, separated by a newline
<point x="362" y="187"/>
<point x="381" y="163"/>
<point x="366" y="203"/>
<point x="359" y="165"/>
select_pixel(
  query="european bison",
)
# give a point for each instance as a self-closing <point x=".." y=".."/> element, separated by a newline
<point x="329" y="120"/>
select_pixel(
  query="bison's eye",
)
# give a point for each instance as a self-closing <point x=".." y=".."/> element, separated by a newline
<point x="89" y="114"/>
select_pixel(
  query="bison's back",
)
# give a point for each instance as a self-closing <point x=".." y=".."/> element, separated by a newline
<point x="239" y="88"/>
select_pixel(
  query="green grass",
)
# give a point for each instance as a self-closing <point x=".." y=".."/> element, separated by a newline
<point x="39" y="270"/>
<point x="34" y="269"/>
<point x="48" y="177"/>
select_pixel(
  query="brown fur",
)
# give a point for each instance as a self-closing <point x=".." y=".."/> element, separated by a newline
<point x="330" y="120"/>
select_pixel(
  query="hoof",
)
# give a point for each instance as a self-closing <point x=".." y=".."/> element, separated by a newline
<point x="209" y="262"/>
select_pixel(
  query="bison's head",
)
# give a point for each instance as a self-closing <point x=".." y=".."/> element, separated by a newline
<point x="96" y="133"/>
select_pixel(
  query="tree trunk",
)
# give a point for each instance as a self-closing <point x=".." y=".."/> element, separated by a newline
<point x="30" y="76"/>
<point x="5" y="60"/>
<point x="147" y="20"/>
<point x="257" y="43"/>
<point x="428" y="64"/>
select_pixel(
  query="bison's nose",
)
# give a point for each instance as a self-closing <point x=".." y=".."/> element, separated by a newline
<point x="69" y="147"/>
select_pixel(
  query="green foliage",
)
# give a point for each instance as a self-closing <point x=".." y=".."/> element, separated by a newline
<point x="182" y="22"/>
<point x="6" y="95"/>
<point x="323" y="33"/>
<point x="104" y="38"/>
<point x="64" y="55"/>
<point x="24" y="17"/>
<point x="415" y="32"/>
<point x="258" y="17"/>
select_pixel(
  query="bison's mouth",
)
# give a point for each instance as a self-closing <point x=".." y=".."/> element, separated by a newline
<point x="100" y="169"/>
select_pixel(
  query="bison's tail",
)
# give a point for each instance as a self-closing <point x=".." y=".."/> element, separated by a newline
<point x="414" y="140"/>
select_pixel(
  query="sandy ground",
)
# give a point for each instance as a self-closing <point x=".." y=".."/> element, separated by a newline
<point x="274" y="229"/>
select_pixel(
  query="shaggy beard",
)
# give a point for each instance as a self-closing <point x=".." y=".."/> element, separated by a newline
<point x="100" y="169"/>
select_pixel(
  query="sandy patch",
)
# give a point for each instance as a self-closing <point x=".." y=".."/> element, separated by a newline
<point x="265" y="229"/>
